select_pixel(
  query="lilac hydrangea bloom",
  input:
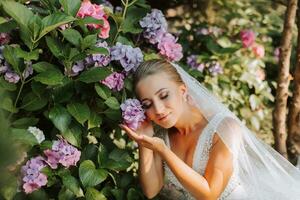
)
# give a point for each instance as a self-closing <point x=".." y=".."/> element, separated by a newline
<point x="193" y="63"/>
<point x="215" y="68"/>
<point x="132" y="113"/>
<point x="62" y="153"/>
<point x="33" y="179"/>
<point x="107" y="4"/>
<point x="114" y="81"/>
<point x="154" y="25"/>
<point x="28" y="70"/>
<point x="12" y="77"/>
<point x="118" y="9"/>
<point x="129" y="57"/>
<point x="99" y="60"/>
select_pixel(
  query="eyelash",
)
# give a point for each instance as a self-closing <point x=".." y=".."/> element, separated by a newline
<point x="148" y="106"/>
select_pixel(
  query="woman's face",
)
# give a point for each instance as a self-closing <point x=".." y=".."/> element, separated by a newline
<point x="161" y="98"/>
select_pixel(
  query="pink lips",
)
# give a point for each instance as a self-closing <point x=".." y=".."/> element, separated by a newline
<point x="164" y="117"/>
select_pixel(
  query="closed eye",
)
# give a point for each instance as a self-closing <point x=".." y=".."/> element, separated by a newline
<point x="144" y="106"/>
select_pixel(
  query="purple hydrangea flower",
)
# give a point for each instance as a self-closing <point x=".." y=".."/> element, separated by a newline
<point x="132" y="113"/>
<point x="129" y="57"/>
<point x="114" y="81"/>
<point x="4" y="38"/>
<point x="118" y="9"/>
<point x="193" y="63"/>
<point x="215" y="68"/>
<point x="154" y="24"/>
<point x="99" y="60"/>
<point x="11" y="77"/>
<point x="28" y="70"/>
<point x="33" y="179"/>
<point x="107" y="4"/>
<point x="62" y="153"/>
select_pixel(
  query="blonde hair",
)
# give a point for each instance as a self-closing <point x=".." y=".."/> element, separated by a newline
<point x="155" y="66"/>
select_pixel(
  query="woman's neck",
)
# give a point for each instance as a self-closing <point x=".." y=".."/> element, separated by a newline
<point x="190" y="120"/>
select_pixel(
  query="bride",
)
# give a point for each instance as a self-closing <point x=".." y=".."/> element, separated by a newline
<point x="194" y="143"/>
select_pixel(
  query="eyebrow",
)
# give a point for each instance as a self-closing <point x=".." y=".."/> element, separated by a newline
<point x="155" y="93"/>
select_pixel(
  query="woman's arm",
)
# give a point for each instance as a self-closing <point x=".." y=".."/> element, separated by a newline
<point x="150" y="172"/>
<point x="218" y="171"/>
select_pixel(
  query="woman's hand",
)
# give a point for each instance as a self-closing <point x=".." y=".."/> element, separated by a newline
<point x="154" y="143"/>
<point x="145" y="128"/>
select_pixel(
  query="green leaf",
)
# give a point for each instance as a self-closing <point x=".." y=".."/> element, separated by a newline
<point x="133" y="194"/>
<point x="71" y="7"/>
<point x="131" y="22"/>
<point x="90" y="20"/>
<point x="6" y="85"/>
<point x="89" y="41"/>
<point x="102" y="155"/>
<point x="103" y="91"/>
<point x="97" y="50"/>
<point x="25" y="122"/>
<point x="119" y="194"/>
<point x="8" y="26"/>
<point x="23" y="136"/>
<point x="33" y="55"/>
<point x="9" y="189"/>
<point x="93" y="194"/>
<point x="72" y="184"/>
<point x="10" y="57"/>
<point x="55" y="47"/>
<point x="89" y="175"/>
<point x="73" y="135"/>
<point x="80" y="112"/>
<point x="32" y="102"/>
<point x="50" y="77"/>
<point x="43" y="67"/>
<point x="119" y="159"/>
<point x="113" y="114"/>
<point x="113" y="103"/>
<point x="94" y="75"/>
<point x="65" y="194"/>
<point x="72" y="36"/>
<point x="2" y="20"/>
<point x="53" y="21"/>
<point x="60" y="118"/>
<point x="95" y="120"/>
<point x="7" y="104"/>
<point x="19" y="12"/>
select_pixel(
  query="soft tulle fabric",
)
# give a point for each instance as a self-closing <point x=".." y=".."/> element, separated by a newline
<point x="260" y="173"/>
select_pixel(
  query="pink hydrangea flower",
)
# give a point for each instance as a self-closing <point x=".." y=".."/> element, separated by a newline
<point x="4" y="38"/>
<point x="33" y="179"/>
<point x="169" y="48"/>
<point x="114" y="81"/>
<point x="97" y="12"/>
<point x="62" y="153"/>
<point x="247" y="37"/>
<point x="132" y="113"/>
<point x="258" y="50"/>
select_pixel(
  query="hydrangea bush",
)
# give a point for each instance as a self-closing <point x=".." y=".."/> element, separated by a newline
<point x="65" y="75"/>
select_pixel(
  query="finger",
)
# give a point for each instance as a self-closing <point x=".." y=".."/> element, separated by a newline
<point x="131" y="133"/>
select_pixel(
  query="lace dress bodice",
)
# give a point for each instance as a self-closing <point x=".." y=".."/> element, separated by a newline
<point x="200" y="159"/>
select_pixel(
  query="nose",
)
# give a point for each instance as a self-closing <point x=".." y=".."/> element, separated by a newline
<point x="159" y="108"/>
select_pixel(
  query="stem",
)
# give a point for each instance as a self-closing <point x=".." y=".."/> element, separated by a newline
<point x="18" y="96"/>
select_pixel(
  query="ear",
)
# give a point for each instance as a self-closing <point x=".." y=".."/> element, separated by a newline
<point x="183" y="89"/>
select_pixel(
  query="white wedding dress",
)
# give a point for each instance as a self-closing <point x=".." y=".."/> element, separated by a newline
<point x="233" y="191"/>
<point x="260" y="173"/>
